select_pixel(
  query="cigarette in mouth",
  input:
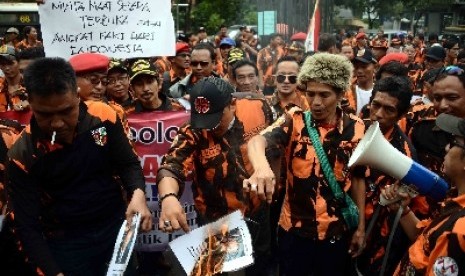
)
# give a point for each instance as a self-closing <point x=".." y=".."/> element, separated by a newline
<point x="53" y="137"/>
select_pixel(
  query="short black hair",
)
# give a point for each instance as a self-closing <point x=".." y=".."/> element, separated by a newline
<point x="27" y="30"/>
<point x="443" y="73"/>
<point x="283" y="59"/>
<point x="325" y="42"/>
<point x="48" y="76"/>
<point x="394" y="68"/>
<point x="398" y="87"/>
<point x="206" y="46"/>
<point x="449" y="44"/>
<point x="242" y="63"/>
<point x="433" y="36"/>
<point x="275" y="35"/>
<point x="30" y="53"/>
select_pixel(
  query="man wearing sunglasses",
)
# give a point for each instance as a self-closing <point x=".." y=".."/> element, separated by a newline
<point x="448" y="97"/>
<point x="286" y="93"/>
<point x="313" y="236"/>
<point x="91" y="77"/>
<point x="202" y="64"/>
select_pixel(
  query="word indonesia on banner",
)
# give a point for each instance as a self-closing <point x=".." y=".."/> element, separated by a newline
<point x="153" y="133"/>
<point x="116" y="28"/>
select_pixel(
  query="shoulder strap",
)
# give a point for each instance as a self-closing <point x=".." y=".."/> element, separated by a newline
<point x="324" y="163"/>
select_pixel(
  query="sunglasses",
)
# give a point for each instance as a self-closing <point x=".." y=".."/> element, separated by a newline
<point x="450" y="70"/>
<point x="454" y="143"/>
<point x="282" y="78"/>
<point x="202" y="63"/>
<point x="95" y="80"/>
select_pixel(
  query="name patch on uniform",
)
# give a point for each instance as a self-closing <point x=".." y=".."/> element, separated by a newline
<point x="100" y="136"/>
<point x="445" y="266"/>
<point x="211" y="152"/>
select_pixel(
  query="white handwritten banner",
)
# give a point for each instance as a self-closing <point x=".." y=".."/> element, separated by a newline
<point x="116" y="28"/>
<point x="154" y="132"/>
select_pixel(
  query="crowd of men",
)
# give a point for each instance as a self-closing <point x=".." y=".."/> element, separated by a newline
<point x="271" y="133"/>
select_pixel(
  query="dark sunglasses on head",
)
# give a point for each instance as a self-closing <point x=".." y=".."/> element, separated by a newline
<point x="202" y="63"/>
<point x="282" y="78"/>
<point x="450" y="70"/>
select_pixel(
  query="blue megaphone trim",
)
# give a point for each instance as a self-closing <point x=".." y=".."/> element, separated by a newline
<point x="427" y="182"/>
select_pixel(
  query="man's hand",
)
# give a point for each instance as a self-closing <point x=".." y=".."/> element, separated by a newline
<point x="391" y="192"/>
<point x="357" y="243"/>
<point x="172" y="216"/>
<point x="262" y="182"/>
<point x="139" y="205"/>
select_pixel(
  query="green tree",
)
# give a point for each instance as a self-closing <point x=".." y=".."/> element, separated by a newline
<point x="213" y="13"/>
<point x="393" y="8"/>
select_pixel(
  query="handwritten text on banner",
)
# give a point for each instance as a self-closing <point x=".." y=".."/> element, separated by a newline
<point x="117" y="28"/>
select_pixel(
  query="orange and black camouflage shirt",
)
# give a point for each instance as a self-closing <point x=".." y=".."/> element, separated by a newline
<point x="440" y="248"/>
<point x="310" y="208"/>
<point x="70" y="189"/>
<point x="372" y="256"/>
<point x="277" y="107"/>
<point x="220" y="164"/>
<point x="9" y="132"/>
<point x="7" y="101"/>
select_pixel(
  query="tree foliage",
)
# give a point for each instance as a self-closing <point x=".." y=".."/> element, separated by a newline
<point x="377" y="10"/>
<point x="213" y="13"/>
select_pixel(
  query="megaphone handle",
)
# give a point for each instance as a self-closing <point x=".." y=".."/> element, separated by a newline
<point x="384" y="202"/>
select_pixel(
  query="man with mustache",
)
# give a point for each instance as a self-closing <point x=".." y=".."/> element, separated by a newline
<point x="67" y="203"/>
<point x="145" y="83"/>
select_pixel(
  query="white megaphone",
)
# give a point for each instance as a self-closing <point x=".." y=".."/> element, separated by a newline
<point x="376" y="152"/>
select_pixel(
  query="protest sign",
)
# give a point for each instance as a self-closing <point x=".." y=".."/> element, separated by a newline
<point x="153" y="133"/>
<point x="116" y="28"/>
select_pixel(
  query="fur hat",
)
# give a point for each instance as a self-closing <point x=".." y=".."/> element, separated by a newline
<point x="334" y="70"/>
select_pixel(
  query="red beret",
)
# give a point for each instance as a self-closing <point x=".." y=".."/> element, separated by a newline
<point x="360" y="36"/>
<point x="399" y="57"/>
<point x="299" y="36"/>
<point x="182" y="47"/>
<point x="89" y="62"/>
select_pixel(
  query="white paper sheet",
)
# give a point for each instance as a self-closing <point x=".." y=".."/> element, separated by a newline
<point x="123" y="247"/>
<point x="187" y="248"/>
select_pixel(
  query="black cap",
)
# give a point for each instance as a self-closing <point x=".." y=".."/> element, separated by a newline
<point x="202" y="29"/>
<point x="208" y="98"/>
<point x="117" y="64"/>
<point x="7" y="53"/>
<point x="451" y="124"/>
<point x="436" y="53"/>
<point x="365" y="56"/>
<point x="143" y="67"/>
